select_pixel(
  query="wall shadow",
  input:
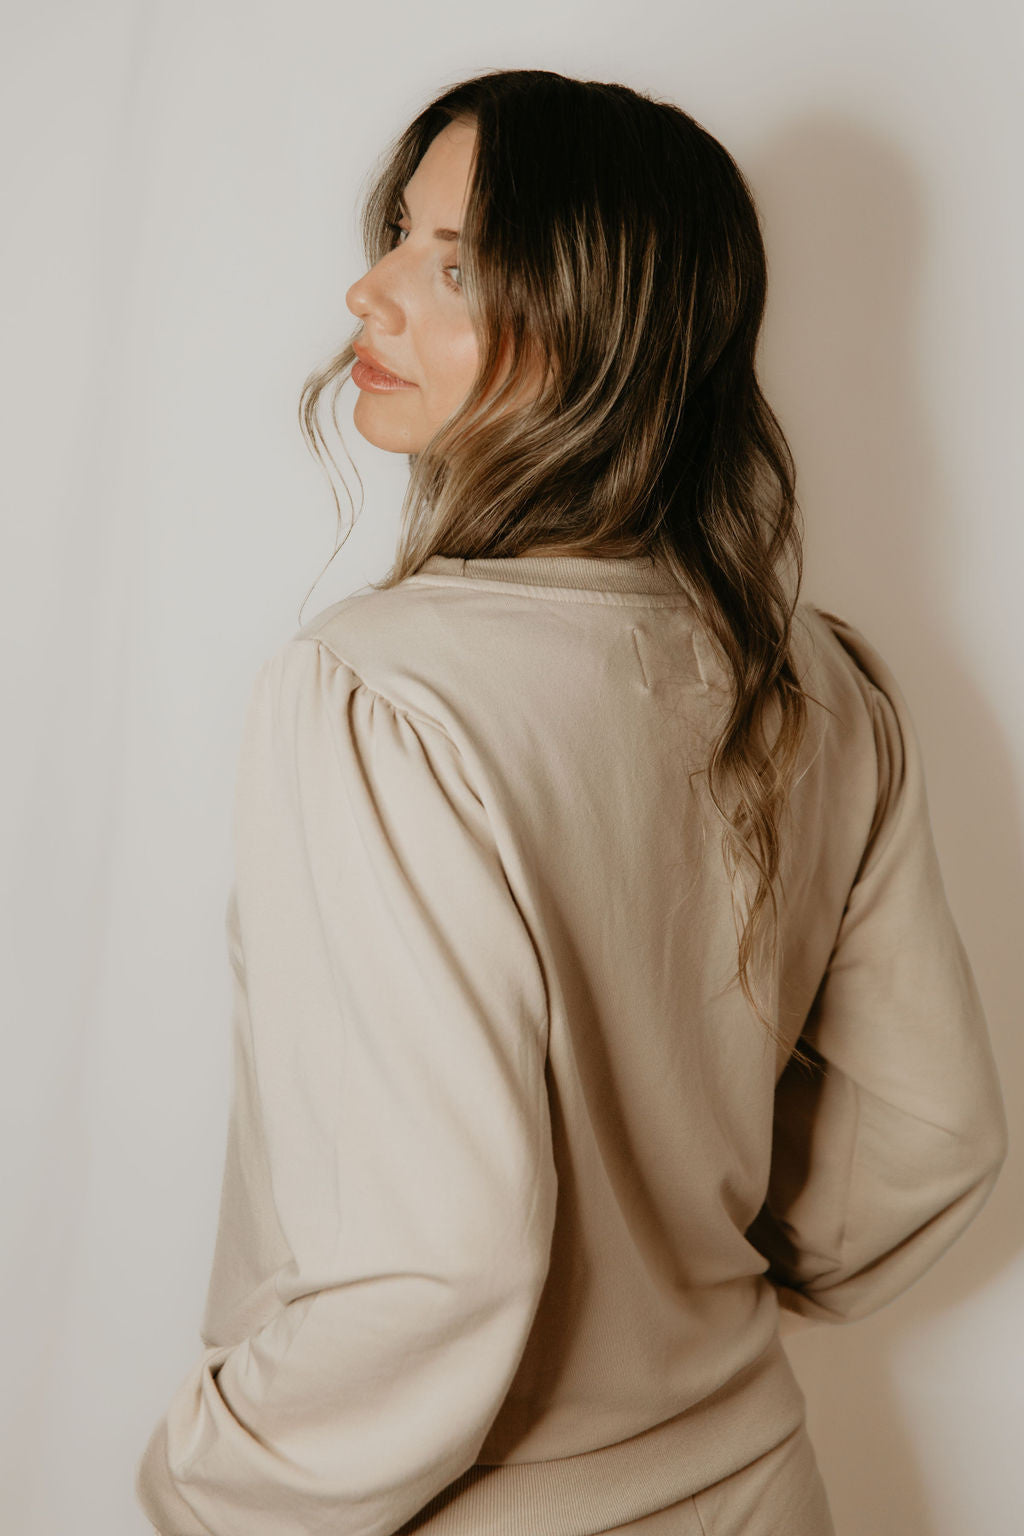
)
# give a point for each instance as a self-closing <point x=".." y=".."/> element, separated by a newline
<point x="846" y="225"/>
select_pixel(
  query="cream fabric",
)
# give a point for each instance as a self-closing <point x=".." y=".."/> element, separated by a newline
<point x="779" y="1494"/>
<point x="514" y="1182"/>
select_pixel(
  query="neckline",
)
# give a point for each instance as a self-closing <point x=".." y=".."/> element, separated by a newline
<point x="600" y="573"/>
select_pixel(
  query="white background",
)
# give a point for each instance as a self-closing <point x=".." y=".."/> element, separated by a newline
<point x="179" y="212"/>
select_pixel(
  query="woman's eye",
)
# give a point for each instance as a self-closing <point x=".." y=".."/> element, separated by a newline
<point x="397" y="230"/>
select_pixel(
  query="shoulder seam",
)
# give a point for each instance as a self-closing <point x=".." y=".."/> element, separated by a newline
<point x="854" y="647"/>
<point x="833" y="618"/>
<point x="401" y="709"/>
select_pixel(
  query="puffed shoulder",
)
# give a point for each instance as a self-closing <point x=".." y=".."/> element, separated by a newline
<point x="861" y="658"/>
<point x="316" y="730"/>
<point x="309" y="666"/>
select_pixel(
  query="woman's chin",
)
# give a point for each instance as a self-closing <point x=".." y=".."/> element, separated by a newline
<point x="376" y="420"/>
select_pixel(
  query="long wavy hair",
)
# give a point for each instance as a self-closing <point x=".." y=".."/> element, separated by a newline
<point x="609" y="234"/>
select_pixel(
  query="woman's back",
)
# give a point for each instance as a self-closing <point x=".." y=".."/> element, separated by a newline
<point x="552" y="1072"/>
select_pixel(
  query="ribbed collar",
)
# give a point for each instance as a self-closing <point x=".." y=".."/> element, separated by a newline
<point x="615" y="573"/>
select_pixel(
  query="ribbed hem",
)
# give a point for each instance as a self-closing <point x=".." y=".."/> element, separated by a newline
<point x="596" y="1490"/>
<point x="636" y="573"/>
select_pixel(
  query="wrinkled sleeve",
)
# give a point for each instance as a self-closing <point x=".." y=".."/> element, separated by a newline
<point x="395" y="1052"/>
<point x="888" y="1147"/>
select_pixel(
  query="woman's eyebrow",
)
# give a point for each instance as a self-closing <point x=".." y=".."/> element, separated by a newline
<point x="449" y="235"/>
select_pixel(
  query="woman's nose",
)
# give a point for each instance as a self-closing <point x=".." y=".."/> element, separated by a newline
<point x="372" y="294"/>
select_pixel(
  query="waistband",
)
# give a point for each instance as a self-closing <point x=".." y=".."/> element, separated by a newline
<point x="594" y="1490"/>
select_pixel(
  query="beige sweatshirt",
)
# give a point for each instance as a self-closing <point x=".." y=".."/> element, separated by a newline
<point x="515" y="1183"/>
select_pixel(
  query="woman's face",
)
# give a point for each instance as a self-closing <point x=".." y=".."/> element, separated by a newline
<point x="415" y="318"/>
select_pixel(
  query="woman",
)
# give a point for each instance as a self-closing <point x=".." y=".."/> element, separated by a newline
<point x="596" y="992"/>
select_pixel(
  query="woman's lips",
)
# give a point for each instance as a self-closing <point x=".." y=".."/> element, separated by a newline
<point x="365" y="377"/>
<point x="367" y="373"/>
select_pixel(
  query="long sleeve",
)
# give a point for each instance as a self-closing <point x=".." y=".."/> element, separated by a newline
<point x="392" y="1045"/>
<point x="888" y="1148"/>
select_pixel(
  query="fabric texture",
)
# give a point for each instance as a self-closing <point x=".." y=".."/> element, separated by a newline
<point x="779" y="1494"/>
<point x="515" y="1183"/>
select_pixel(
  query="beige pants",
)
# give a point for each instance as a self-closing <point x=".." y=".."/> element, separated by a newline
<point x="779" y="1494"/>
